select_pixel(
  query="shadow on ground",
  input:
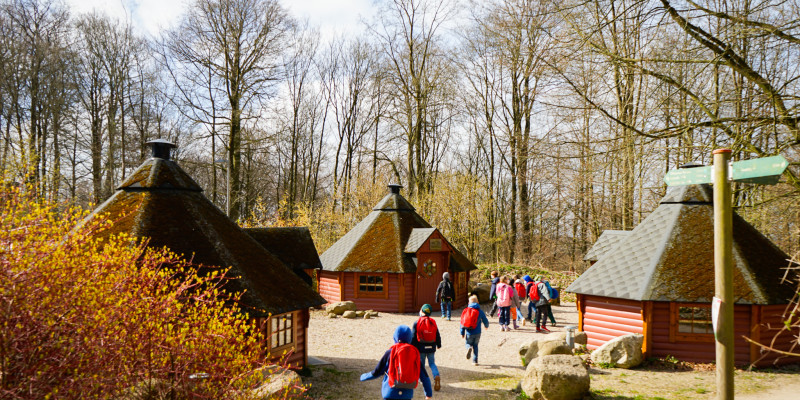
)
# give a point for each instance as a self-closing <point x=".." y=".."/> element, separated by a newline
<point x="329" y="382"/>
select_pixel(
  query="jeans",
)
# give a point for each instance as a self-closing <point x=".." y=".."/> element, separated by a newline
<point x="431" y="362"/>
<point x="472" y="341"/>
<point x="505" y="315"/>
<point x="531" y="309"/>
<point x="446" y="305"/>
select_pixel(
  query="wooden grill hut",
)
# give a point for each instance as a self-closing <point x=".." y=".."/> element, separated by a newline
<point x="392" y="261"/>
<point x="162" y="203"/>
<point x="659" y="281"/>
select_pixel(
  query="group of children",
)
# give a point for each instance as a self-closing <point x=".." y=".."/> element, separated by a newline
<point x="403" y="365"/>
<point x="509" y="294"/>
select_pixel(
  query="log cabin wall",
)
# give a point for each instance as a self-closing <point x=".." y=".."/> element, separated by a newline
<point x="329" y="287"/>
<point x="384" y="301"/>
<point x="295" y="353"/>
<point x="695" y="348"/>
<point x="604" y="318"/>
<point x="768" y="322"/>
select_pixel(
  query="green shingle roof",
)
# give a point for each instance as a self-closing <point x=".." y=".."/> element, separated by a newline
<point x="670" y="257"/>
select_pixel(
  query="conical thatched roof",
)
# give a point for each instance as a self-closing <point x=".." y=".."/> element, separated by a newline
<point x="380" y="242"/>
<point x="670" y="257"/>
<point x="162" y="203"/>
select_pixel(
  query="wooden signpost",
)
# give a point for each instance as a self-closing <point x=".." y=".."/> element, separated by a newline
<point x="766" y="171"/>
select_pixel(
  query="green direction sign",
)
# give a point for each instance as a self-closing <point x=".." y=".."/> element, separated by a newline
<point x="688" y="176"/>
<point x="765" y="171"/>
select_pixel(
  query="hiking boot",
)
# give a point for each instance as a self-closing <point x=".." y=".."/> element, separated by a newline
<point x="469" y="353"/>
<point x="436" y="383"/>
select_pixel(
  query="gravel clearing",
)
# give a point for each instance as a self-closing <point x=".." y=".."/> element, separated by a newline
<point x="354" y="346"/>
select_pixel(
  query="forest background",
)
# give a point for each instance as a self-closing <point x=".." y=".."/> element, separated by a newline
<point x="521" y="129"/>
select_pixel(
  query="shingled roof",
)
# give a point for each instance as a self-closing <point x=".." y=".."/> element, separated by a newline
<point x="162" y="203"/>
<point x="670" y="257"/>
<point x="606" y="243"/>
<point x="292" y="245"/>
<point x="386" y="240"/>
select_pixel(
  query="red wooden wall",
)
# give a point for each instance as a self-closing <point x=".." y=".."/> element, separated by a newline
<point x="297" y="355"/>
<point x="604" y="318"/>
<point x="700" y="350"/>
<point x="770" y="320"/>
<point x="329" y="287"/>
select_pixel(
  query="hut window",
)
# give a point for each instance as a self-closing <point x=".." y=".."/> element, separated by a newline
<point x="370" y="283"/>
<point x="694" y="320"/>
<point x="281" y="331"/>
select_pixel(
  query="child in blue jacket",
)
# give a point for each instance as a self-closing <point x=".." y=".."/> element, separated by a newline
<point x="473" y="336"/>
<point x="402" y="334"/>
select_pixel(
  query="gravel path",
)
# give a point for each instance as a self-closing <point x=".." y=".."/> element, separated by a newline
<point x="355" y="346"/>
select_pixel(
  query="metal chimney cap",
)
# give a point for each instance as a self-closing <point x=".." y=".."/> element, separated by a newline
<point x="395" y="188"/>
<point x="693" y="164"/>
<point x="161" y="148"/>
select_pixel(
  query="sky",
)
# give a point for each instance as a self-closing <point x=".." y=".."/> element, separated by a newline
<point x="152" y="16"/>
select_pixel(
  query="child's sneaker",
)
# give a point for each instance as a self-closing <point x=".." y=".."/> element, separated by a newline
<point x="539" y="330"/>
<point x="469" y="353"/>
<point x="475" y="363"/>
<point x="545" y="330"/>
<point x="437" y="384"/>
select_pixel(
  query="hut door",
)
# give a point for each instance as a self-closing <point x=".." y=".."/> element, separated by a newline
<point x="429" y="274"/>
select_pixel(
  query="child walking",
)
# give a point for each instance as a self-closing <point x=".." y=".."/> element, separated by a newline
<point x="426" y="339"/>
<point x="505" y="298"/>
<point x="471" y="319"/>
<point x="400" y="368"/>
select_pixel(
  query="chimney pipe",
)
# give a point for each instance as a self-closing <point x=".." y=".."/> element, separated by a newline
<point x="394" y="188"/>
<point x="161" y="148"/>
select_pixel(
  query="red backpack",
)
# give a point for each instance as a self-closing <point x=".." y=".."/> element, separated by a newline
<point x="426" y="330"/>
<point x="404" y="365"/>
<point x="534" y="293"/>
<point x="469" y="318"/>
<point x="520" y="290"/>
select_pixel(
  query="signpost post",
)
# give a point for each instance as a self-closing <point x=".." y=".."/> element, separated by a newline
<point x="766" y="171"/>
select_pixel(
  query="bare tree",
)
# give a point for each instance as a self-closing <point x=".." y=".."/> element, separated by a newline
<point x="238" y="43"/>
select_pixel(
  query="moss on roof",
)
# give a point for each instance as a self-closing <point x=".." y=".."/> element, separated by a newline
<point x="377" y="243"/>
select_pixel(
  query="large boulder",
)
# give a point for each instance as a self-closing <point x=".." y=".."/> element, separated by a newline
<point x="482" y="291"/>
<point x="276" y="385"/>
<point x="556" y="377"/>
<point x="623" y="352"/>
<point x="580" y="338"/>
<point x="340" y="307"/>
<point x="551" y="342"/>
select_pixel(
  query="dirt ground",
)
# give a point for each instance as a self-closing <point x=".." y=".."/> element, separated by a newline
<point x="352" y="347"/>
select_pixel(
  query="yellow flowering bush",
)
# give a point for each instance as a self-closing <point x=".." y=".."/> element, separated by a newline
<point x="84" y="319"/>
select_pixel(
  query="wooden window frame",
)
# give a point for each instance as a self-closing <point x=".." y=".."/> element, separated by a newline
<point x="674" y="320"/>
<point x="376" y="294"/>
<point x="270" y="333"/>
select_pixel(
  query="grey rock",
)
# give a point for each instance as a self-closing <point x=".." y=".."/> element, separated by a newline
<point x="276" y="385"/>
<point x="332" y="315"/>
<point x="556" y="377"/>
<point x="349" y="314"/>
<point x="366" y="316"/>
<point x="482" y="291"/>
<point x="360" y="314"/>
<point x="623" y="352"/>
<point x="340" y="307"/>
<point x="553" y="347"/>
<point x="581" y="338"/>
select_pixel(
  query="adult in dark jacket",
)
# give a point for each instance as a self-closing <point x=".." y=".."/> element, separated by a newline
<point x="542" y="306"/>
<point x="445" y="295"/>
<point x="427" y="351"/>
<point x="402" y="334"/>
